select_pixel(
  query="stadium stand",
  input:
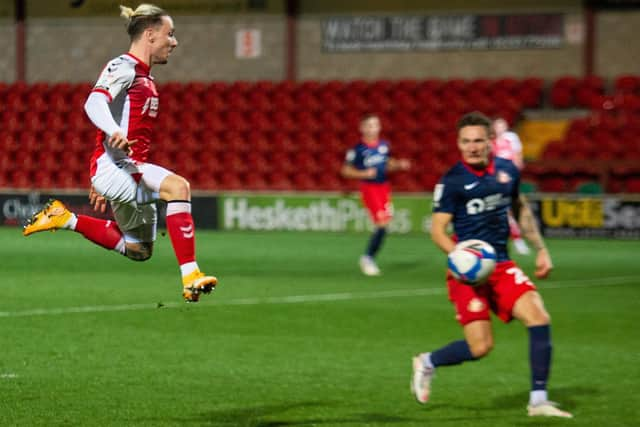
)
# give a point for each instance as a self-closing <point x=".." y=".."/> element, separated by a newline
<point x="283" y="135"/>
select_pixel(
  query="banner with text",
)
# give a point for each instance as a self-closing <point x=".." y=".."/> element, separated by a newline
<point x="575" y="216"/>
<point x="299" y="212"/>
<point x="430" y="33"/>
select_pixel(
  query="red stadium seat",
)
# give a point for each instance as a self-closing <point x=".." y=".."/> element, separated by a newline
<point x="21" y="179"/>
<point x="305" y="181"/>
<point x="254" y="180"/>
<point x="406" y="85"/>
<point x="333" y="86"/>
<point x="286" y="87"/>
<point x="633" y="185"/>
<point x="214" y="101"/>
<point x="213" y="121"/>
<point x="481" y="85"/>
<point x="259" y="120"/>
<point x="554" y="184"/>
<point x="236" y="100"/>
<point x="230" y="180"/>
<point x="305" y="100"/>
<point x="235" y="120"/>
<point x="279" y="180"/>
<point x="454" y="87"/>
<point x="627" y="84"/>
<point x="312" y="86"/>
<point x="283" y="102"/>
<point x="404" y="101"/>
<point x="381" y="85"/>
<point x="356" y="87"/>
<point x="193" y="102"/>
<point x="260" y="101"/>
<point x="505" y="84"/>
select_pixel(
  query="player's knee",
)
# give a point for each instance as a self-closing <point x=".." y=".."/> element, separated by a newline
<point x="481" y="348"/>
<point x="539" y="319"/>
<point x="383" y="222"/>
<point x="181" y="188"/>
<point x="139" y="252"/>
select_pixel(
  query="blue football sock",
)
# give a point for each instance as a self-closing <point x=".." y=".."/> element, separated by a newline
<point x="452" y="354"/>
<point x="376" y="241"/>
<point x="539" y="356"/>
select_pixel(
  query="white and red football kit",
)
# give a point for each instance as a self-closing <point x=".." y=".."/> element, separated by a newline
<point x="125" y="99"/>
<point x="508" y="146"/>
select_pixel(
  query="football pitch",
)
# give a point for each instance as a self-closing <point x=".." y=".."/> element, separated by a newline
<point x="296" y="336"/>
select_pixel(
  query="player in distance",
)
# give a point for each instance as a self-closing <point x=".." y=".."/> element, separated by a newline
<point x="124" y="105"/>
<point x="369" y="161"/>
<point x="476" y="195"/>
<point x="507" y="144"/>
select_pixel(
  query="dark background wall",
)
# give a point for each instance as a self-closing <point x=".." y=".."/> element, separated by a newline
<point x="72" y="44"/>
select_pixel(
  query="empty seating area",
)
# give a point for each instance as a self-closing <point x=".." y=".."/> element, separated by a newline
<point x="602" y="147"/>
<point x="256" y="135"/>
<point x="293" y="136"/>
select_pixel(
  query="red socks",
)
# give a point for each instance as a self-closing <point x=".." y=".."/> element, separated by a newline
<point x="182" y="232"/>
<point x="101" y="232"/>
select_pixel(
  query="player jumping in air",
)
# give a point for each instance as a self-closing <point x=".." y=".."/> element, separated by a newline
<point x="124" y="106"/>
<point x="369" y="161"/>
<point x="476" y="195"/>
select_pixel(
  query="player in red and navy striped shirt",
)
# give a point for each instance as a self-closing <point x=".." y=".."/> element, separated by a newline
<point x="124" y="105"/>
<point x="475" y="196"/>
<point x="370" y="161"/>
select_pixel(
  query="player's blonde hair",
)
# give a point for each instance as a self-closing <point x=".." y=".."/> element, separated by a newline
<point x="144" y="16"/>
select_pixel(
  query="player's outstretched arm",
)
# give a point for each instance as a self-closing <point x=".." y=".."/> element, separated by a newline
<point x="349" y="171"/>
<point x="530" y="230"/>
<point x="398" y="164"/>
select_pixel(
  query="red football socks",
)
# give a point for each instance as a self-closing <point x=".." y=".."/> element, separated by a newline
<point x="101" y="232"/>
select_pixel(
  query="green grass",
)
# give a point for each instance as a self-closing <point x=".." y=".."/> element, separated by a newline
<point x="89" y="338"/>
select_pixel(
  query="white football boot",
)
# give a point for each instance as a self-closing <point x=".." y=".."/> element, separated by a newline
<point x="368" y="266"/>
<point x="421" y="380"/>
<point x="547" y="409"/>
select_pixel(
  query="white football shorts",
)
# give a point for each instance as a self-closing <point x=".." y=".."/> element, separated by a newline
<point x="132" y="202"/>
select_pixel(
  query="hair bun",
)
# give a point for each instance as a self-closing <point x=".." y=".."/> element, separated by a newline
<point x="126" y="12"/>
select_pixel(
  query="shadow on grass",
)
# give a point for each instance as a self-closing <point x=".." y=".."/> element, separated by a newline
<point x="271" y="416"/>
<point x="565" y="396"/>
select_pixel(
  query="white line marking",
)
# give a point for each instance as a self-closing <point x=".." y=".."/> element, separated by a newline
<point x="296" y="299"/>
<point x="8" y="375"/>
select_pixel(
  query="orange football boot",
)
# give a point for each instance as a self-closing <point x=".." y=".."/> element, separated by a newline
<point x="195" y="284"/>
<point x="53" y="216"/>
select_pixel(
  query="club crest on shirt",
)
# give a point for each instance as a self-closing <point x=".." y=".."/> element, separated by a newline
<point x="475" y="305"/>
<point x="502" y="177"/>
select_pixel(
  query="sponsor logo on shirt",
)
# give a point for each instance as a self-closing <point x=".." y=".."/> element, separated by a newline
<point x="471" y="186"/>
<point x="488" y="203"/>
<point x="374" y="159"/>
